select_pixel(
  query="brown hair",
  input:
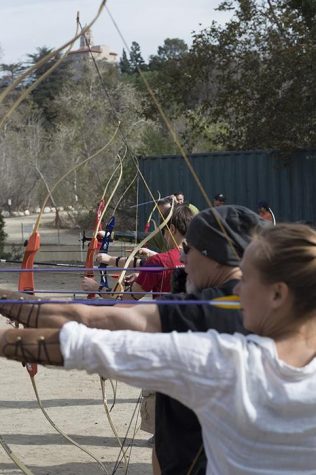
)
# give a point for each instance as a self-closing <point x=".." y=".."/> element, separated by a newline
<point x="287" y="253"/>
<point x="181" y="218"/>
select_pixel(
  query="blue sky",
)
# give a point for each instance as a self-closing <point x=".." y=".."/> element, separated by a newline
<point x="28" y="24"/>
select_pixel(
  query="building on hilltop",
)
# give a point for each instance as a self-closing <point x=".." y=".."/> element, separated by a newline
<point x="81" y="57"/>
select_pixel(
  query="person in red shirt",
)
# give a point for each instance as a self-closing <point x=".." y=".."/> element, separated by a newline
<point x="157" y="282"/>
<point x="174" y="235"/>
<point x="151" y="280"/>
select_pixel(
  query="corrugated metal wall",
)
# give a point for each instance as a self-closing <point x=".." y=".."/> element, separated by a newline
<point x="289" y="185"/>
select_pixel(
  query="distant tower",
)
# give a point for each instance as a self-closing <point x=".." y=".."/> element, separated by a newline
<point x="87" y="37"/>
<point x="79" y="58"/>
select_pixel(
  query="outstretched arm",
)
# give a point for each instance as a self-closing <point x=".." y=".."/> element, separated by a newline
<point x="178" y="364"/>
<point x="119" y="317"/>
<point x="32" y="346"/>
<point x="119" y="261"/>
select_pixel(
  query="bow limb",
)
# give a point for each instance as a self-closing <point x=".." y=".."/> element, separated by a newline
<point x="105" y="249"/>
<point x="147" y="225"/>
<point x="107" y="237"/>
<point x="153" y="199"/>
<point x="273" y="217"/>
<point x="108" y="415"/>
<point x="111" y="225"/>
<point x="100" y="212"/>
<point x="97" y="225"/>
<point x="119" y="287"/>
<point x="62" y="433"/>
<point x="78" y="165"/>
<point x="102" y="204"/>
<point x="14" y="457"/>
<point x="114" y="189"/>
<point x="26" y="279"/>
<point x="175" y="138"/>
<point x="93" y="247"/>
<point x="124" y="193"/>
<point x="164" y="116"/>
<point x="94" y="244"/>
<point x="26" y="283"/>
<point x="122" y="135"/>
<point x="57" y="218"/>
<point x="100" y="215"/>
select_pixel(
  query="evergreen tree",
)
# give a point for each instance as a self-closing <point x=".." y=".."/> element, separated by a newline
<point x="11" y="70"/>
<point x="44" y="94"/>
<point x="124" y="64"/>
<point x="136" y="60"/>
<point x="173" y="49"/>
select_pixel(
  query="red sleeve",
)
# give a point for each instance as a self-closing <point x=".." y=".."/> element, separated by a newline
<point x="148" y="280"/>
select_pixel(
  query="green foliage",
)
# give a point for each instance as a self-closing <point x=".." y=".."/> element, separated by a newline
<point x="11" y="70"/>
<point x="136" y="60"/>
<point x="124" y="64"/>
<point x="44" y="94"/>
<point x="168" y="76"/>
<point x="157" y="141"/>
<point x="248" y="84"/>
<point x="173" y="49"/>
<point x="307" y="8"/>
<point x="88" y="115"/>
<point x="262" y="65"/>
<point x="165" y="76"/>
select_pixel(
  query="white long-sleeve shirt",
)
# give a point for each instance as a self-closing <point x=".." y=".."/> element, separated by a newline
<point x="258" y="414"/>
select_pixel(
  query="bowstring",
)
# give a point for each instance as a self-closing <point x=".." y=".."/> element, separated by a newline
<point x="123" y="136"/>
<point x="174" y="137"/>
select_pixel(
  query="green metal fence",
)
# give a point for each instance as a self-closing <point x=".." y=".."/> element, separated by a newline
<point x="286" y="181"/>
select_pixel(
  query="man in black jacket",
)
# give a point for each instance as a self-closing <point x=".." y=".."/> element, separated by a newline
<point x="214" y="246"/>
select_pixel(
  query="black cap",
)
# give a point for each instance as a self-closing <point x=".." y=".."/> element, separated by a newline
<point x="263" y="204"/>
<point x="206" y="235"/>
<point x="220" y="197"/>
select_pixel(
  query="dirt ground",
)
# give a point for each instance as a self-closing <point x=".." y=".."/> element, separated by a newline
<point x="73" y="400"/>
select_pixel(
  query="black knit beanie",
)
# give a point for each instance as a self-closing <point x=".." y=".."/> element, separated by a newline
<point x="239" y="223"/>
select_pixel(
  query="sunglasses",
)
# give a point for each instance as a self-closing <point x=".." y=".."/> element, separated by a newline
<point x="186" y="248"/>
